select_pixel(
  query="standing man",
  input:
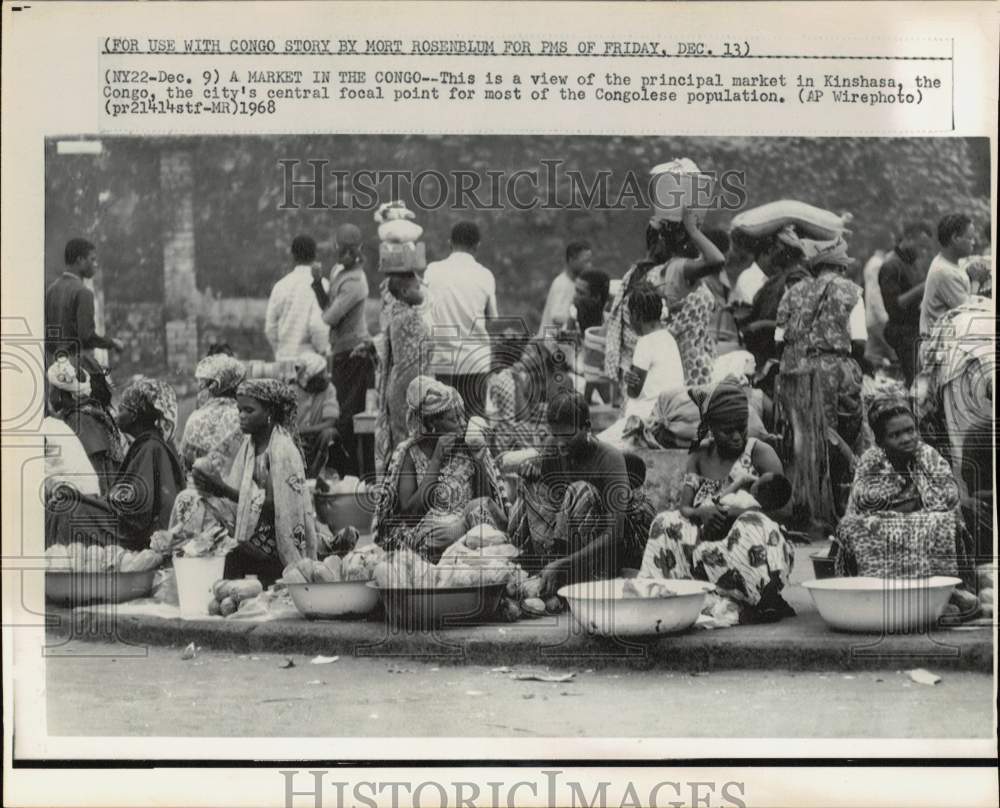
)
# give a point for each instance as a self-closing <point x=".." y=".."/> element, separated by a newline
<point x="902" y="285"/>
<point x="69" y="311"/>
<point x="557" y="305"/>
<point x="294" y="323"/>
<point x="464" y="297"/>
<point x="947" y="284"/>
<point x="352" y="369"/>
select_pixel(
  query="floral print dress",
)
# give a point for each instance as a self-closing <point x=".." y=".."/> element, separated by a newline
<point x="751" y="558"/>
<point x="875" y="540"/>
<point x="814" y="314"/>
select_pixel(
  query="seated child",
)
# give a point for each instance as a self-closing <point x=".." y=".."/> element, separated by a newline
<point x="768" y="493"/>
<point x="318" y="412"/>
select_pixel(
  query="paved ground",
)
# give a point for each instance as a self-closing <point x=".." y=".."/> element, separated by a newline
<point x="227" y="694"/>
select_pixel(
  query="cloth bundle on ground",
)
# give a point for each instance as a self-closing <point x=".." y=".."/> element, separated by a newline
<point x="808" y="220"/>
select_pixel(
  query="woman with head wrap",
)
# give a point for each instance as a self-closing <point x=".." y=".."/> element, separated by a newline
<point x="745" y="554"/>
<point x="406" y="331"/>
<point x="141" y="497"/>
<point x="821" y="326"/>
<point x="903" y="518"/>
<point x="213" y="432"/>
<point x="437" y="487"/>
<point x="84" y="403"/>
<point x="274" y="524"/>
<point x="317" y="413"/>
<point x="679" y="255"/>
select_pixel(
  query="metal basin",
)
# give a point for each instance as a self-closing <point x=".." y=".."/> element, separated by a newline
<point x="430" y="608"/>
<point x="342" y="600"/>
<point x="601" y="608"/>
<point x="889" y="605"/>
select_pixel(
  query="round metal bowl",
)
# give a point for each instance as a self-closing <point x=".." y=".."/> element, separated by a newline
<point x="427" y="608"/>
<point x="80" y="588"/>
<point x="881" y="605"/>
<point x="599" y="607"/>
<point x="342" y="600"/>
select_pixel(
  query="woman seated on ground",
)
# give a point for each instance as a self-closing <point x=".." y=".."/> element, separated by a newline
<point x="142" y="494"/>
<point x="745" y="554"/>
<point x="318" y="413"/>
<point x="437" y="487"/>
<point x="274" y="520"/>
<point x="213" y="432"/>
<point x="582" y="513"/>
<point x="903" y="518"/>
<point x="83" y="402"/>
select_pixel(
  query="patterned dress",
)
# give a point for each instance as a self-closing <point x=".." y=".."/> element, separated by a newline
<point x="874" y="540"/>
<point x="690" y="322"/>
<point x="752" y="557"/>
<point x="407" y="331"/>
<point x="814" y="314"/>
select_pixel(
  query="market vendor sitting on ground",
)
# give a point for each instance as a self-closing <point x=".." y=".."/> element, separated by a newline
<point x="744" y="553"/>
<point x="141" y="496"/>
<point x="573" y="517"/>
<point x="318" y="414"/>
<point x="438" y="486"/>
<point x="274" y="524"/>
<point x="903" y="518"/>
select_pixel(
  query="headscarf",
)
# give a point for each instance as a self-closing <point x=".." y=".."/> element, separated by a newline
<point x="882" y="406"/>
<point x="308" y="366"/>
<point x="425" y="397"/>
<point x="63" y="376"/>
<point x="276" y="396"/>
<point x="225" y="373"/>
<point x="149" y="396"/>
<point x="820" y="253"/>
<point x="725" y="408"/>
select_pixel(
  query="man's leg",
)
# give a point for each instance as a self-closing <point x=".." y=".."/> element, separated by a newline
<point x="351" y="376"/>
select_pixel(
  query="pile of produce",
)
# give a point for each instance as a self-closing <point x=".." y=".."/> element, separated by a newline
<point x="78" y="557"/>
<point x="357" y="565"/>
<point x="215" y="541"/>
<point x="985" y="581"/>
<point x="228" y="595"/>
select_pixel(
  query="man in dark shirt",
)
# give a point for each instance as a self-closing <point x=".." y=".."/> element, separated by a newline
<point x="902" y="285"/>
<point x="69" y="310"/>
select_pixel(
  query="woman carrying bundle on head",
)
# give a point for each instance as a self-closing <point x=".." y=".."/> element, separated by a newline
<point x="142" y="494"/>
<point x="678" y="256"/>
<point x="274" y="524"/>
<point x="732" y="542"/>
<point x="438" y="487"/>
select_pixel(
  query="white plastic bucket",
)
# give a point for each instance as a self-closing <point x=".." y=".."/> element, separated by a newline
<point x="195" y="577"/>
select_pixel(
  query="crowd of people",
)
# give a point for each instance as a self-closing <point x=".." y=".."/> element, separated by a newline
<point x="479" y="426"/>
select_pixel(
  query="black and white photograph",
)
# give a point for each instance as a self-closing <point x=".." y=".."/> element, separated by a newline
<point x="519" y="436"/>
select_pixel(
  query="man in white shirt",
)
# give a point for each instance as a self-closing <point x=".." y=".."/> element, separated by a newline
<point x="463" y="294"/>
<point x="751" y="277"/>
<point x="557" y="305"/>
<point x="294" y="323"/>
<point x="947" y="284"/>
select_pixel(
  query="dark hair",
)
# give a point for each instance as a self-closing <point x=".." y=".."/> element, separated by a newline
<point x="568" y="408"/>
<point x="773" y="492"/>
<point x="719" y="237"/>
<point x="397" y="282"/>
<point x="77" y="248"/>
<point x="599" y="283"/>
<point x="882" y="417"/>
<point x="914" y="229"/>
<point x="952" y="225"/>
<point x="786" y="254"/>
<point x="304" y="249"/>
<point x="220" y="348"/>
<point x="645" y="304"/>
<point x="465" y="235"/>
<point x="675" y="240"/>
<point x="574" y="248"/>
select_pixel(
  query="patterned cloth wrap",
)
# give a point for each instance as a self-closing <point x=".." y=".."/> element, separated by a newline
<point x="149" y="396"/>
